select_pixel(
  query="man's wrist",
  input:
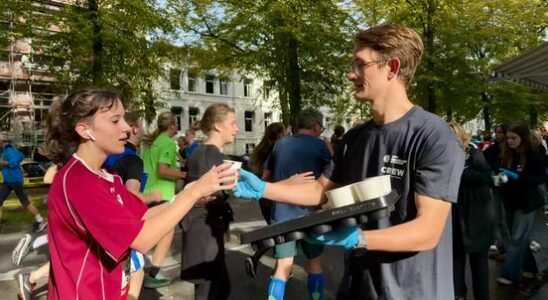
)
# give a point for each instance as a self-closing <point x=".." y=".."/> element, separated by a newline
<point x="361" y="246"/>
<point x="362" y="240"/>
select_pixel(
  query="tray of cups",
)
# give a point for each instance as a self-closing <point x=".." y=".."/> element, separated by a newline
<point x="351" y="205"/>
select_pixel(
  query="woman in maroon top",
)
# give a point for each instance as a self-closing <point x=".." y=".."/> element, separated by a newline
<point x="94" y="219"/>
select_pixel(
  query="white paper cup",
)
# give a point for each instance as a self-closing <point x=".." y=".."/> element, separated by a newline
<point x="340" y="197"/>
<point x="234" y="165"/>
<point x="372" y="188"/>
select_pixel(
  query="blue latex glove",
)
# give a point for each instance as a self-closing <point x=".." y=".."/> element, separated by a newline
<point x="249" y="186"/>
<point x="347" y="238"/>
<point x="509" y="174"/>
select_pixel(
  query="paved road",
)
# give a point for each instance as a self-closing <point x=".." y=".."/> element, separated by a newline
<point x="247" y="217"/>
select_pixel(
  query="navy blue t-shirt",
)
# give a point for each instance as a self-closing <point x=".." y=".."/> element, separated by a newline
<point x="292" y="155"/>
<point x="422" y="155"/>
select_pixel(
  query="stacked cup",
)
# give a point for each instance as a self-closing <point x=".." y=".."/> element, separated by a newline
<point x="368" y="189"/>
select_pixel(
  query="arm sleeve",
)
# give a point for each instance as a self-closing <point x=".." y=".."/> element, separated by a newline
<point x="130" y="167"/>
<point x="113" y="225"/>
<point x="167" y="153"/>
<point x="325" y="156"/>
<point x="439" y="169"/>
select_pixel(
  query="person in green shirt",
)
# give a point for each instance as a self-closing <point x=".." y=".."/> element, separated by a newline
<point x="160" y="158"/>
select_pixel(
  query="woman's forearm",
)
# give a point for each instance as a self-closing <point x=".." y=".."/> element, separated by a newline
<point x="158" y="224"/>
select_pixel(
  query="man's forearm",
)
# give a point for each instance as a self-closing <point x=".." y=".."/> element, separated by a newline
<point x="420" y="234"/>
<point x="166" y="172"/>
<point x="306" y="194"/>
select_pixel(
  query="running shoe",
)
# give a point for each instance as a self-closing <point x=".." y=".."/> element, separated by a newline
<point x="535" y="246"/>
<point x="504" y="281"/>
<point x="25" y="286"/>
<point x="156" y="282"/>
<point x="39" y="226"/>
<point x="22" y="249"/>
<point x="251" y="266"/>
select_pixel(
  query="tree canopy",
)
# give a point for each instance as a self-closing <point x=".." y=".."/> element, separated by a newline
<point x="299" y="49"/>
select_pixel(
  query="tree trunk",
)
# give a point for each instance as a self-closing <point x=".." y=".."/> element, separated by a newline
<point x="449" y="114"/>
<point x="293" y="79"/>
<point x="486" y="116"/>
<point x="97" y="47"/>
<point x="429" y="36"/>
<point x="533" y="116"/>
<point x="284" y="105"/>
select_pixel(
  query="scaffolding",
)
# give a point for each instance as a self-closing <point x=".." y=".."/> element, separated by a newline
<point x="22" y="108"/>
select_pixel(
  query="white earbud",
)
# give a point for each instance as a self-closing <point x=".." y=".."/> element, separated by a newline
<point x="91" y="137"/>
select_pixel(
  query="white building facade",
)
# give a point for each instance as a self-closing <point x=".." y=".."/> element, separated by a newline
<point x="187" y="94"/>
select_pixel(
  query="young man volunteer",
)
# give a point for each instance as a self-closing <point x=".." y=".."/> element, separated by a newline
<point x="409" y="255"/>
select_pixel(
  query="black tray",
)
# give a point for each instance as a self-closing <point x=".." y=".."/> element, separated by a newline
<point x="321" y="222"/>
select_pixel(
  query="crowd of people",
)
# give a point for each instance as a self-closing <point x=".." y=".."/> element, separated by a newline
<point x="457" y="198"/>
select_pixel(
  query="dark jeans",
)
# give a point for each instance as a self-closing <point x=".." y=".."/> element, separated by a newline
<point x="7" y="187"/>
<point x="519" y="257"/>
<point x="478" y="266"/>
<point x="502" y="233"/>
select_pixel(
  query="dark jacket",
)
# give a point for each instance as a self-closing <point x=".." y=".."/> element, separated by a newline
<point x="523" y="193"/>
<point x="492" y="155"/>
<point x="474" y="215"/>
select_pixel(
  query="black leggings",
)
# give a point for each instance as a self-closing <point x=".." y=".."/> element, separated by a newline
<point x="7" y="187"/>
<point x="203" y="253"/>
<point x="479" y="268"/>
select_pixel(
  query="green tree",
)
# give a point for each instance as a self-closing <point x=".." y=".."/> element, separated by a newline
<point x="13" y="24"/>
<point x="300" y="48"/>
<point x="463" y="41"/>
<point x="112" y="43"/>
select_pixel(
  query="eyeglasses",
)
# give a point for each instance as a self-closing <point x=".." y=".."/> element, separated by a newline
<point x="363" y="65"/>
<point x="322" y="128"/>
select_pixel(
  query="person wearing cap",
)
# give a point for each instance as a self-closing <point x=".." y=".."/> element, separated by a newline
<point x="10" y="162"/>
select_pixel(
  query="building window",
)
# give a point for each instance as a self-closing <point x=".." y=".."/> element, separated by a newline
<point x="267" y="119"/>
<point x="175" y="79"/>
<point x="210" y="84"/>
<point x="247" y="87"/>
<point x="249" y="148"/>
<point x="223" y="87"/>
<point x="192" y="82"/>
<point x="192" y="116"/>
<point x="178" y="112"/>
<point x="249" y="120"/>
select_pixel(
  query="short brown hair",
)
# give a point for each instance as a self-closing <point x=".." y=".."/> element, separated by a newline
<point x="215" y="113"/>
<point x="165" y="120"/>
<point x="132" y="118"/>
<point x="392" y="40"/>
